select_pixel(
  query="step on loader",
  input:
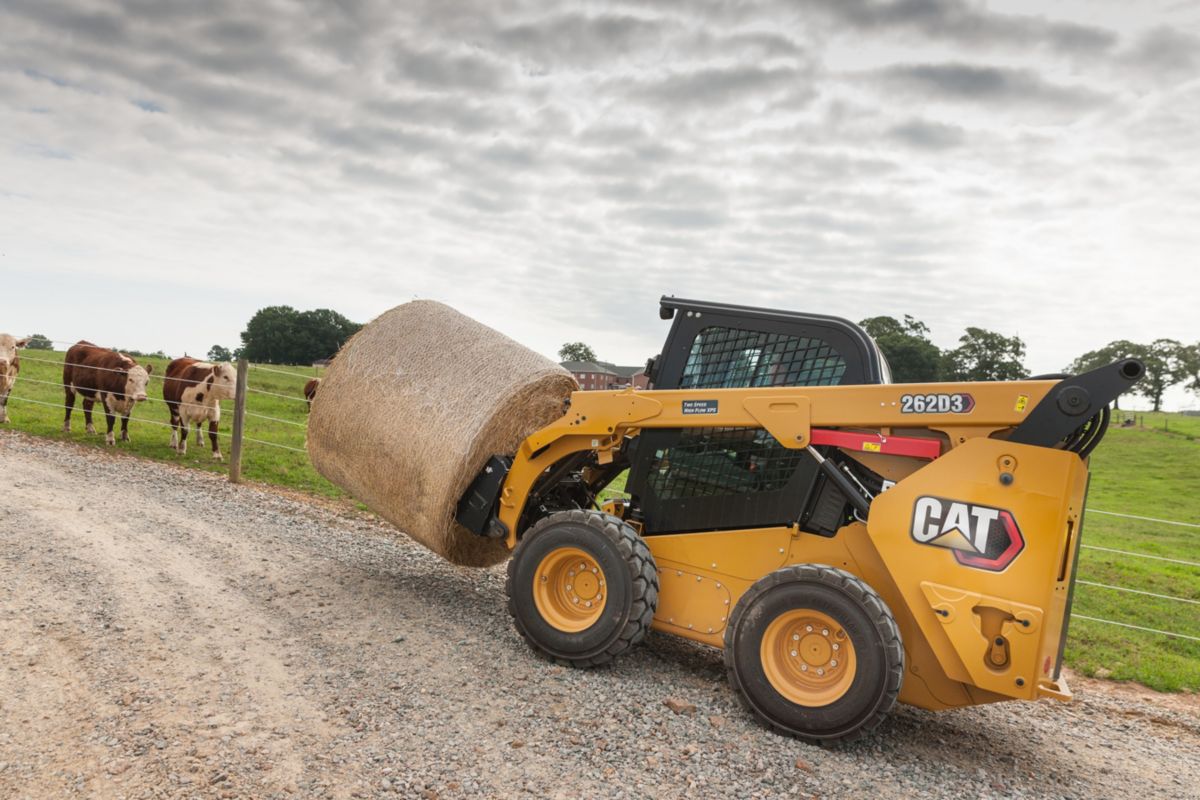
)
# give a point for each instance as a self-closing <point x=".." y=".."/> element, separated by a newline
<point x="846" y="541"/>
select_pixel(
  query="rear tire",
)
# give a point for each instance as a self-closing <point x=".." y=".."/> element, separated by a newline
<point x="815" y="653"/>
<point x="582" y="588"/>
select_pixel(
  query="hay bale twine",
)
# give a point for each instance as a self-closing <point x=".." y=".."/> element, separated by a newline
<point x="412" y="408"/>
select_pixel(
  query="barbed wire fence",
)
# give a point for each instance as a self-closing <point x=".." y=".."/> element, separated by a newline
<point x="237" y="438"/>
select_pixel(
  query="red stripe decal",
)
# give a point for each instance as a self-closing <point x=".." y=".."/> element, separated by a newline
<point x="877" y="443"/>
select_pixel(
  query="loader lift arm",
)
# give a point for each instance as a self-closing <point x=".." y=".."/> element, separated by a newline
<point x="1041" y="412"/>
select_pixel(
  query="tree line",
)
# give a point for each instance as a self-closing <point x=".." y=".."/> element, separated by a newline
<point x="984" y="355"/>
<point x="274" y="335"/>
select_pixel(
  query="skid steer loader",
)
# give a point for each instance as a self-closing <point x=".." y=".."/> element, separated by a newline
<point x="846" y="541"/>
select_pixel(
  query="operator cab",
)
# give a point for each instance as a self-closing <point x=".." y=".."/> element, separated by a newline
<point x="696" y="479"/>
<point x="683" y="480"/>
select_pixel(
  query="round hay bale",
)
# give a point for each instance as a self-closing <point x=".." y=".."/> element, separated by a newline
<point x="412" y="408"/>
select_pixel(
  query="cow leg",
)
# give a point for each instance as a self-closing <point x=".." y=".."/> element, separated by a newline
<point x="4" y="405"/>
<point x="125" y="426"/>
<point x="111" y="419"/>
<point x="212" y="436"/>
<point x="70" y="406"/>
<point x="88" y="402"/>
<point x="184" y="432"/>
<point x="174" y="409"/>
<point x="199" y="432"/>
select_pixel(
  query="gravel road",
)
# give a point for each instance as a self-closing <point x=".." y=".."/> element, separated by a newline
<point x="166" y="634"/>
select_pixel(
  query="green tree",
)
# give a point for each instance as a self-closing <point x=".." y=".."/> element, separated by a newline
<point x="219" y="353"/>
<point x="39" y="342"/>
<point x="324" y="332"/>
<point x="576" y="351"/>
<point x="984" y="355"/>
<point x="283" y="335"/>
<point x="1113" y="351"/>
<point x="1165" y="362"/>
<point x="906" y="346"/>
<point x="271" y="335"/>
<point x="1189" y="366"/>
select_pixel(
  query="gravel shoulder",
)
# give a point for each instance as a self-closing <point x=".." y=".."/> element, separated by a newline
<point x="164" y="633"/>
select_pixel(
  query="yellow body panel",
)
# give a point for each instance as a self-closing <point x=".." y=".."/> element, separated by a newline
<point x="971" y="635"/>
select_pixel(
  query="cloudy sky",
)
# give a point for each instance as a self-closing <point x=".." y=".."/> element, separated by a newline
<point x="167" y="167"/>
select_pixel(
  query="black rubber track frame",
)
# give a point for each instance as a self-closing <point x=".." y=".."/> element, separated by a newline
<point x="632" y="587"/>
<point x="873" y="629"/>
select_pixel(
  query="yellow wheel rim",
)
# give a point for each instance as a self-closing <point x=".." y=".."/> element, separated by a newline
<point x="569" y="589"/>
<point x="808" y="657"/>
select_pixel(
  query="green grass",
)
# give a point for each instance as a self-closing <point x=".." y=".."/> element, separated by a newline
<point x="1148" y="472"/>
<point x="1151" y="471"/>
<point x="42" y="382"/>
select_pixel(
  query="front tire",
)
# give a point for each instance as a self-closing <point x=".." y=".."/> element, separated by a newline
<point x="815" y="653"/>
<point x="582" y="588"/>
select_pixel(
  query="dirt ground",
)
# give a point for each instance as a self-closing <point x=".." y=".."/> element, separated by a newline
<point x="166" y="634"/>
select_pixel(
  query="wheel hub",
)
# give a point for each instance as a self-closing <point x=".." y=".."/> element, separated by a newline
<point x="569" y="589"/>
<point x="807" y="657"/>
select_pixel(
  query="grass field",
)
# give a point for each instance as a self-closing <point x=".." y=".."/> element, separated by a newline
<point x="42" y="382"/>
<point x="1151" y="471"/>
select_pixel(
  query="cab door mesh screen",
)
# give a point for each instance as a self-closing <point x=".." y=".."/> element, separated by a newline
<point x="722" y="461"/>
<point x="725" y="358"/>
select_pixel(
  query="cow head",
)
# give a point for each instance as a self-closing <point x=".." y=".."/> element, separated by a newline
<point x="9" y="346"/>
<point x="136" y="380"/>
<point x="224" y="379"/>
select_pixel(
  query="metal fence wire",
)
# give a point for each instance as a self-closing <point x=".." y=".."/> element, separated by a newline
<point x="235" y="438"/>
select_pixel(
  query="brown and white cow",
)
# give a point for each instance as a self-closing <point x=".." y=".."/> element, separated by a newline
<point x="113" y="378"/>
<point x="10" y="365"/>
<point x="310" y="390"/>
<point x="194" y="390"/>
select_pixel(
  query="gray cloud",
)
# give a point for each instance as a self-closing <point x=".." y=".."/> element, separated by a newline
<point x="987" y="84"/>
<point x="440" y="71"/>
<point x="709" y="87"/>
<point x="1166" y="52"/>
<point x="925" y="135"/>
<point x="581" y="39"/>
<point x="959" y="21"/>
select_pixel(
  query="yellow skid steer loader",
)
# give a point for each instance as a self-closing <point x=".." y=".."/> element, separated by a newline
<point x="845" y="540"/>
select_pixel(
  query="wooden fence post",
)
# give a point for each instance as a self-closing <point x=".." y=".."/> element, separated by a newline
<point x="239" y="420"/>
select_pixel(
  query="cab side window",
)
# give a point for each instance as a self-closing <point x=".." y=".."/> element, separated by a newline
<point x="725" y="358"/>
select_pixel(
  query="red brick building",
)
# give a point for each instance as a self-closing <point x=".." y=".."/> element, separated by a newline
<point x="600" y="375"/>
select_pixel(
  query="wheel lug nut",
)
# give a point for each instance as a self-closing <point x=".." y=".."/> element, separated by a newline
<point x="833" y="663"/>
<point x="808" y="628"/>
<point x="574" y="599"/>
<point x="820" y="672"/>
<point x="804" y="667"/>
<point x="835" y="645"/>
<point x="795" y="637"/>
<point x="825" y="631"/>
<point x="794" y="654"/>
<point x="588" y="604"/>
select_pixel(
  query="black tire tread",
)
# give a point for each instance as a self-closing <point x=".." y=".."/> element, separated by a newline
<point x="644" y="577"/>
<point x="881" y="618"/>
